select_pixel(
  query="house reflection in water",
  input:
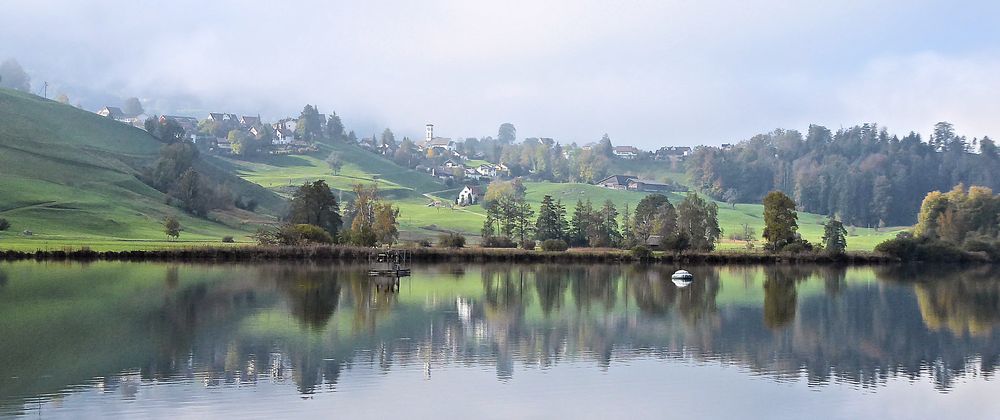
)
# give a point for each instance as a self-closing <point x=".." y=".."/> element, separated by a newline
<point x="320" y="326"/>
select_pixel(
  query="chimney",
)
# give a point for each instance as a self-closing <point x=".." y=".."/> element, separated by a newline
<point x="429" y="132"/>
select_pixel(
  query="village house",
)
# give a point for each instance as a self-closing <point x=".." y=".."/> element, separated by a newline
<point x="654" y="242"/>
<point x="625" y="152"/>
<point x="282" y="136"/>
<point x="115" y="113"/>
<point x="645" y="185"/>
<point x="386" y="149"/>
<point x="616" y="182"/>
<point x="472" y="173"/>
<point x="469" y="195"/>
<point x="189" y="124"/>
<point x="220" y="117"/>
<point x="248" y="121"/>
<point x="452" y="163"/>
<point x="673" y="153"/>
<point x="489" y="170"/>
<point x="204" y="141"/>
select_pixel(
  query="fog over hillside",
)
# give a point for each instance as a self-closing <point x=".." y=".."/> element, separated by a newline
<point x="648" y="73"/>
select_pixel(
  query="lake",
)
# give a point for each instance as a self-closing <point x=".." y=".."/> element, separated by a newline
<point x="151" y="340"/>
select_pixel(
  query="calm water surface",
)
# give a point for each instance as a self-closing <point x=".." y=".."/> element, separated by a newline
<point x="497" y="341"/>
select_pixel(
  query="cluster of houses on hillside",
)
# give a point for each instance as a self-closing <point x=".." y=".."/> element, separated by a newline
<point x="667" y="153"/>
<point x="281" y="133"/>
<point x="454" y="167"/>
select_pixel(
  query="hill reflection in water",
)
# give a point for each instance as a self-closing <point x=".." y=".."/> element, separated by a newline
<point x="117" y="327"/>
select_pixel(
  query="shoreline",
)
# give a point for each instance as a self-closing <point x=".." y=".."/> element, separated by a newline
<point x="477" y="255"/>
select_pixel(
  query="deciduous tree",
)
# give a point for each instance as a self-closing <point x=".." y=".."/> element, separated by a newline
<point x="314" y="204"/>
<point x="780" y="220"/>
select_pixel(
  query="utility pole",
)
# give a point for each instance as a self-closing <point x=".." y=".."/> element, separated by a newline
<point x="45" y="90"/>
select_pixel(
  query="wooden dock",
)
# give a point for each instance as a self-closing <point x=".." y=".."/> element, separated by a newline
<point x="389" y="263"/>
<point x="389" y="272"/>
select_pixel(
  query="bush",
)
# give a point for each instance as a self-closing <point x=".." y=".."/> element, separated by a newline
<point x="312" y="234"/>
<point x="228" y="239"/>
<point x="498" y="242"/>
<point x="424" y="243"/>
<point x="4" y="224"/>
<point x="904" y="248"/>
<point x="292" y="235"/>
<point x="983" y="245"/>
<point x="528" y="244"/>
<point x="451" y="240"/>
<point x="797" y="246"/>
<point x="908" y="248"/>
<point x="554" y="245"/>
<point x="641" y="253"/>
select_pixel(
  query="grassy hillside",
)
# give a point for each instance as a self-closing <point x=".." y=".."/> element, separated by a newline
<point x="412" y="191"/>
<point x="70" y="177"/>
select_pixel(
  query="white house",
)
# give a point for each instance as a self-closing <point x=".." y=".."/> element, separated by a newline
<point x="452" y="163"/>
<point x="469" y="195"/>
<point x="472" y="173"/>
<point x="626" y="152"/>
<point x="489" y="170"/>
<point x="115" y="113"/>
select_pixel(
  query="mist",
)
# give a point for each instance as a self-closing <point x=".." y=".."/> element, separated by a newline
<point x="647" y="73"/>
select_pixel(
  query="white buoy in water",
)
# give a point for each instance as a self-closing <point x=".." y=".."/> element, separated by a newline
<point x="682" y="275"/>
<point x="682" y="278"/>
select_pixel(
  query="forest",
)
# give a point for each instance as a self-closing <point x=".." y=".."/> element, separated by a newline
<point x="862" y="175"/>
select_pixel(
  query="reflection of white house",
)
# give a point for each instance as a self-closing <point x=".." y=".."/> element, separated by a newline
<point x="470" y="195"/>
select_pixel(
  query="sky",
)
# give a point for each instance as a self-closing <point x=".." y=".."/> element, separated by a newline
<point x="648" y="73"/>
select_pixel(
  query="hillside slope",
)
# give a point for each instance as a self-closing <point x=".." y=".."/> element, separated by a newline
<point x="413" y="191"/>
<point x="69" y="175"/>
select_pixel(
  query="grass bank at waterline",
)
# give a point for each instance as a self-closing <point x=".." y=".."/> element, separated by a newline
<point x="348" y="253"/>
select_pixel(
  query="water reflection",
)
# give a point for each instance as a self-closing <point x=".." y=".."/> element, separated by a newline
<point x="126" y="324"/>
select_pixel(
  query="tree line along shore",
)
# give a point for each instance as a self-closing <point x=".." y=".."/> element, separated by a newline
<point x="355" y="254"/>
<point x="957" y="226"/>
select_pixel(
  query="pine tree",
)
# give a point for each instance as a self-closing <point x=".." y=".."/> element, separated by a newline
<point x="609" y="233"/>
<point x="834" y="237"/>
<point x="628" y="234"/>
<point x="580" y="224"/>
<point x="522" y="219"/>
<point x="548" y="225"/>
<point x="563" y="223"/>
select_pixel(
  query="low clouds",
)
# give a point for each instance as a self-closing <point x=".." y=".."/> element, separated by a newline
<point x="648" y="73"/>
<point x="914" y="91"/>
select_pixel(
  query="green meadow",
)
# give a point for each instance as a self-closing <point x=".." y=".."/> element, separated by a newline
<point x="69" y="177"/>
<point x="412" y="191"/>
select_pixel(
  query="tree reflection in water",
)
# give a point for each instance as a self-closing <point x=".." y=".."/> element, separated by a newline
<point x="313" y="324"/>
